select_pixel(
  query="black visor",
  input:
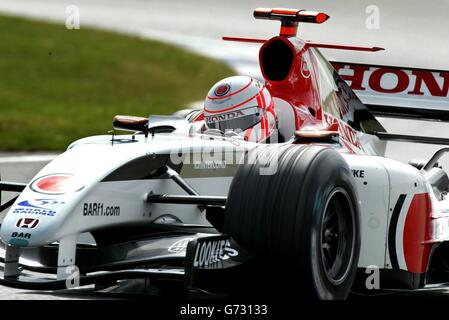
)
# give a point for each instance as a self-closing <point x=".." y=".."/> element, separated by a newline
<point x="232" y="121"/>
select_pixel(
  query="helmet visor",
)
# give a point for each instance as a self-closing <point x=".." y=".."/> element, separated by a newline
<point x="236" y="120"/>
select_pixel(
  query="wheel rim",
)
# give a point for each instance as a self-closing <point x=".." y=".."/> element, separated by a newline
<point x="337" y="237"/>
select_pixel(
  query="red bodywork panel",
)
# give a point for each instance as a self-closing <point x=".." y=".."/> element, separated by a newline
<point x="417" y="233"/>
<point x="298" y="87"/>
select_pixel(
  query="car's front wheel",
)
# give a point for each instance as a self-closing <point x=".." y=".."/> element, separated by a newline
<point x="297" y="205"/>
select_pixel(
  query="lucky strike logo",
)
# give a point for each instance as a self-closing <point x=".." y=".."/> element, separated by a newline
<point x="57" y="184"/>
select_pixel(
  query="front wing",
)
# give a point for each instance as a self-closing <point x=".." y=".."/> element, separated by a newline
<point x="190" y="260"/>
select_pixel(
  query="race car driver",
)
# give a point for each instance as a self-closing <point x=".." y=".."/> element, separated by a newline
<point x="242" y="105"/>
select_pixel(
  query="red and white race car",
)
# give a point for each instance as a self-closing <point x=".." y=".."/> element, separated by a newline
<point x="173" y="202"/>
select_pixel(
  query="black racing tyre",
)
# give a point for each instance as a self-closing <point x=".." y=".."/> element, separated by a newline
<point x="304" y="215"/>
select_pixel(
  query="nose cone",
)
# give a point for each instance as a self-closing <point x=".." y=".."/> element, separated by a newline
<point x="30" y="222"/>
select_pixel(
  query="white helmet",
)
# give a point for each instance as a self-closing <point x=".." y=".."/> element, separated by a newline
<point x="243" y="105"/>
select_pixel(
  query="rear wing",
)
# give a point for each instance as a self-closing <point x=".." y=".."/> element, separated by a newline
<point x="397" y="91"/>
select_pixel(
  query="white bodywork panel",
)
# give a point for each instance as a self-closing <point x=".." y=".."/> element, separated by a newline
<point x="383" y="181"/>
<point x="103" y="202"/>
<point x="372" y="182"/>
<point x="91" y="160"/>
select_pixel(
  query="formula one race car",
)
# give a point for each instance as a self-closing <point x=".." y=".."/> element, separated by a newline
<point x="207" y="209"/>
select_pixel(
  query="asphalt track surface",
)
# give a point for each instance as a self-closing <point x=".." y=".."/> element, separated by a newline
<point x="412" y="33"/>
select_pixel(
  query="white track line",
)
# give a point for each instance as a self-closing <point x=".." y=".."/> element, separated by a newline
<point x="28" y="158"/>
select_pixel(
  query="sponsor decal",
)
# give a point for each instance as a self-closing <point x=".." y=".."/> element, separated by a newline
<point x="28" y="223"/>
<point x="38" y="203"/>
<point x="222" y="89"/>
<point x="346" y="97"/>
<point x="358" y="173"/>
<point x="224" y="116"/>
<point x="258" y="84"/>
<point x="209" y="164"/>
<point x="98" y="209"/>
<point x="23" y="235"/>
<point x="19" y="239"/>
<point x="305" y="72"/>
<point x="180" y="246"/>
<point x="18" y="242"/>
<point x="57" y="184"/>
<point x="209" y="252"/>
<point x="43" y="207"/>
<point x="347" y="134"/>
<point x="391" y="80"/>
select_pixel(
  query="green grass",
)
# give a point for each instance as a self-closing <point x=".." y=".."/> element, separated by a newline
<point x="58" y="85"/>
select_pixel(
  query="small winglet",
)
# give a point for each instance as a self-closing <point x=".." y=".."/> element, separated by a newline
<point x="249" y="40"/>
<point x="342" y="47"/>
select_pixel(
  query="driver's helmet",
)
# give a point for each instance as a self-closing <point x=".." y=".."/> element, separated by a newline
<point x="243" y="105"/>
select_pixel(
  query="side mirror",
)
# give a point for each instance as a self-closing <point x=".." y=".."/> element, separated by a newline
<point x="131" y="123"/>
